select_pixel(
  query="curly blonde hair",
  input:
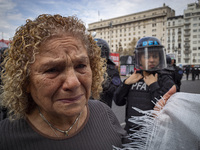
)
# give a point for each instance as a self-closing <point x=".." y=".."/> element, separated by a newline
<point x="24" y="47"/>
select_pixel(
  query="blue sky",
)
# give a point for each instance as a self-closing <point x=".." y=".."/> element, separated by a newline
<point x="13" y="13"/>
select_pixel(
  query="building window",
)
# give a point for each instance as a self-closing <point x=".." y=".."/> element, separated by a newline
<point x="153" y="30"/>
<point x="194" y="25"/>
<point x="194" y="36"/>
<point x="187" y="15"/>
<point x="195" y="19"/>
<point x="179" y="60"/>
<point x="179" y="45"/>
<point x="194" y="42"/>
<point x="194" y="48"/>
<point x="154" y="25"/>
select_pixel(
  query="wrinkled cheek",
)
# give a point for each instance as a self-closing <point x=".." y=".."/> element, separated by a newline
<point x="41" y="90"/>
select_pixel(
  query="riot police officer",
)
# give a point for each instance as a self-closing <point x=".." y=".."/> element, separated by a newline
<point x="178" y="74"/>
<point x="113" y="80"/>
<point x="141" y="88"/>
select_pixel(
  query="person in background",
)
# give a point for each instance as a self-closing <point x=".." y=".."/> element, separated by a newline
<point x="178" y="74"/>
<point x="187" y="71"/>
<point x="193" y="73"/>
<point x="140" y="89"/>
<point x="169" y="70"/>
<point x="112" y="80"/>
<point x="52" y="68"/>
<point x="197" y="73"/>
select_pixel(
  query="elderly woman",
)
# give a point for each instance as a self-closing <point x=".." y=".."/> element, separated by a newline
<point x="52" y="68"/>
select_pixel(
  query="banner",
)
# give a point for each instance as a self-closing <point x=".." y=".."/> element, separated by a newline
<point x="115" y="58"/>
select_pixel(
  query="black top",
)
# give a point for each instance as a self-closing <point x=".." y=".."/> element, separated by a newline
<point x="100" y="131"/>
<point x="140" y="95"/>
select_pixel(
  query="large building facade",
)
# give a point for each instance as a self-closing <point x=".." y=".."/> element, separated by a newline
<point x="183" y="36"/>
<point x="175" y="38"/>
<point x="192" y="34"/>
<point x="179" y="34"/>
<point x="121" y="31"/>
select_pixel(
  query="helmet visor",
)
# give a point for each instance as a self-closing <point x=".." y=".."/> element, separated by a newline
<point x="150" y="58"/>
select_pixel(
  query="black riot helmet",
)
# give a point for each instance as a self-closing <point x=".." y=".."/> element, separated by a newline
<point x="150" y="54"/>
<point x="169" y="60"/>
<point x="105" y="50"/>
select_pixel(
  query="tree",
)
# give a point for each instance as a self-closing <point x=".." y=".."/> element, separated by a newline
<point x="132" y="45"/>
<point x="119" y="49"/>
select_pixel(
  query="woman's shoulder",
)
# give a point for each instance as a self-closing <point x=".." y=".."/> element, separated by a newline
<point x="98" y="105"/>
<point x="5" y="125"/>
<point x="99" y="111"/>
<point x="99" y="108"/>
<point x="8" y="125"/>
<point x="5" y="122"/>
<point x="95" y="102"/>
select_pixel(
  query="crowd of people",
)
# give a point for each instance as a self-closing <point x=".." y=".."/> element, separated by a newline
<point x="58" y="85"/>
<point x="194" y="71"/>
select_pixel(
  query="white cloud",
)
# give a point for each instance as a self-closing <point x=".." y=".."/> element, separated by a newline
<point x="13" y="13"/>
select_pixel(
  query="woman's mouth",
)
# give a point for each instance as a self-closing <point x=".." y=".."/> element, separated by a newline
<point x="70" y="99"/>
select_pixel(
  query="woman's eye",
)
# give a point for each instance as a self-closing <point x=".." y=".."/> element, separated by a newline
<point x="81" y="66"/>
<point x="52" y="70"/>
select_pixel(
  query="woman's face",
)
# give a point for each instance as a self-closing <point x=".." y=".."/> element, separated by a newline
<point x="61" y="77"/>
<point x="151" y="61"/>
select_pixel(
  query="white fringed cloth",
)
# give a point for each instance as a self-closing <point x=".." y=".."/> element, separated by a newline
<point x="175" y="127"/>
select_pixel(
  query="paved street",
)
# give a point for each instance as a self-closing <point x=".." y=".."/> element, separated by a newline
<point x="188" y="86"/>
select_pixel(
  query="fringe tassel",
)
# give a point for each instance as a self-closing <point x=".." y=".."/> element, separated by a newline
<point x="140" y="138"/>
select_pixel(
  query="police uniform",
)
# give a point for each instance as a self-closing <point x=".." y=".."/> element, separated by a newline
<point x="178" y="74"/>
<point x="113" y="80"/>
<point x="140" y="95"/>
<point x="111" y="83"/>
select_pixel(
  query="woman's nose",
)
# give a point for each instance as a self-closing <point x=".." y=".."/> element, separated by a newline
<point x="71" y="81"/>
